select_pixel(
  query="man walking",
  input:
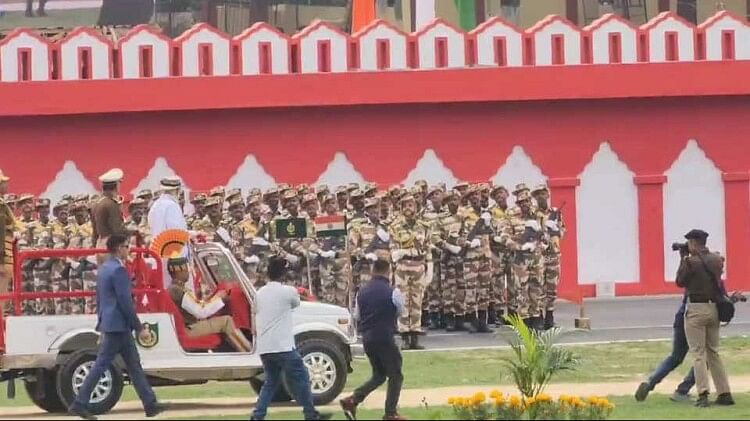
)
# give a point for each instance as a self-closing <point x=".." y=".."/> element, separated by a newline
<point x="116" y="321"/>
<point x="699" y="274"/>
<point x="378" y="308"/>
<point x="274" y="305"/>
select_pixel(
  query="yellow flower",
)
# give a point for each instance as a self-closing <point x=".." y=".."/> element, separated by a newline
<point x="495" y="394"/>
<point x="451" y="401"/>
<point x="543" y="397"/>
<point x="515" y="402"/>
<point x="530" y="402"/>
<point x="480" y="396"/>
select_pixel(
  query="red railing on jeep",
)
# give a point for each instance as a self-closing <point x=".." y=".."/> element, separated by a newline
<point x="148" y="282"/>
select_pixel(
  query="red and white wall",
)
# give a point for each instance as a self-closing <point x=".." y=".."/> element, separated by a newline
<point x="639" y="132"/>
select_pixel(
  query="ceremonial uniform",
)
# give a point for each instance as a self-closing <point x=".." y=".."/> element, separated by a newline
<point x="295" y="250"/>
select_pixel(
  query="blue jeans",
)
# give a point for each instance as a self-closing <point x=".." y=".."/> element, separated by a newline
<point x="291" y="365"/>
<point x="113" y="344"/>
<point x="679" y="352"/>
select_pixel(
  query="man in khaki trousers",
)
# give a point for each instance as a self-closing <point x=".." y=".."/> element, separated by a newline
<point x="700" y="273"/>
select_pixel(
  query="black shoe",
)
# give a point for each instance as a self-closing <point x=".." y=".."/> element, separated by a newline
<point x="642" y="393"/>
<point x="450" y="323"/>
<point x="425" y="318"/>
<point x="482" y="323"/>
<point x="492" y="318"/>
<point x="702" y="401"/>
<point x="155" y="410"/>
<point x="539" y="323"/>
<point x="725" y="399"/>
<point x="434" y="321"/>
<point x="83" y="413"/>
<point x="472" y="323"/>
<point x="405" y="342"/>
<point x="443" y="322"/>
<point x="349" y="407"/>
<point x="528" y="322"/>
<point x="549" y="320"/>
<point x="461" y="324"/>
<point x="414" y="343"/>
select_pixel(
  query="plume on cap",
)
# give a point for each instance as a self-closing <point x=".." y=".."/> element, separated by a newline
<point x="170" y="242"/>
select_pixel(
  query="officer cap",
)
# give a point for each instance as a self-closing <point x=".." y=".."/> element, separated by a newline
<point x="498" y="188"/>
<point x="253" y="199"/>
<point x="212" y="202"/>
<point x="137" y="202"/>
<point x="233" y="194"/>
<point x="290" y="194"/>
<point x="461" y="186"/>
<point x="170" y="183"/>
<point x="697" y="234"/>
<point x="115" y="175"/>
<point x="64" y="203"/>
<point x="434" y="189"/>
<point x="341" y="190"/>
<point x="352" y="186"/>
<point x="145" y="193"/>
<point x="272" y="191"/>
<point x="356" y="194"/>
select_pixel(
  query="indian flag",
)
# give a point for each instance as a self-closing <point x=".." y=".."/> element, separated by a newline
<point x="330" y="226"/>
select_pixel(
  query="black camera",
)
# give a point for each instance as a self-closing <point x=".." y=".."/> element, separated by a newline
<point x="681" y="247"/>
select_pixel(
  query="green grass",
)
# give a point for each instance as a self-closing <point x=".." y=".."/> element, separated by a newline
<point x="599" y="363"/>
<point x="656" y="407"/>
<point x="54" y="19"/>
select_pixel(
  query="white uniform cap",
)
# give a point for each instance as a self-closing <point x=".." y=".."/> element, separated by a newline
<point x="112" y="176"/>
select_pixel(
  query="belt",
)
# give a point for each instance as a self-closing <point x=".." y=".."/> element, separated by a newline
<point x="700" y="300"/>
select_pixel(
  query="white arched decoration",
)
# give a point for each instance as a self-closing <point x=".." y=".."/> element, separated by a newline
<point x="660" y="29"/>
<point x="251" y="174"/>
<point x="725" y="30"/>
<point x="607" y="208"/>
<point x="144" y="40"/>
<point x="431" y="169"/>
<point x="69" y="180"/>
<point x="382" y="35"/>
<point x="81" y="43"/>
<point x="322" y="43"/>
<point x="545" y="35"/>
<point x="498" y="42"/>
<point x="340" y="171"/>
<point x="199" y="41"/>
<point x="518" y="168"/>
<point x="433" y="38"/>
<point x="694" y="183"/>
<point x="13" y="48"/>
<point x="263" y="49"/>
<point x="612" y="35"/>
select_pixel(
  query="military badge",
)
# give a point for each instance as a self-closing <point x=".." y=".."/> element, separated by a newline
<point x="152" y="336"/>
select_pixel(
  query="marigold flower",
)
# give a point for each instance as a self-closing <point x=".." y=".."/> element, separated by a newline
<point x="480" y="396"/>
<point x="515" y="402"/>
<point x="543" y="397"/>
<point x="451" y="401"/>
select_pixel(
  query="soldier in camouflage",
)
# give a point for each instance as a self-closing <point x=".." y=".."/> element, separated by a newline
<point x="311" y="208"/>
<point x="136" y="223"/>
<point x="42" y="235"/>
<point x="446" y="238"/>
<point x="199" y="203"/>
<point x="335" y="265"/>
<point x="554" y="227"/>
<point x="62" y="231"/>
<point x="26" y="241"/>
<point x="257" y="249"/>
<point x="369" y="241"/>
<point x="502" y="285"/>
<point x="410" y="253"/>
<point x="293" y="250"/>
<point x="476" y="236"/>
<point x="433" y="304"/>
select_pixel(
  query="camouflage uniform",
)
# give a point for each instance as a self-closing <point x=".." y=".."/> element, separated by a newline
<point x="554" y="228"/>
<point x="502" y="286"/>
<point x="433" y="304"/>
<point x="411" y="239"/>
<point x="526" y="234"/>
<point x="42" y="272"/>
<point x="364" y="241"/>
<point x="335" y="270"/>
<point x="83" y="278"/>
<point x="27" y="241"/>
<point x="295" y="251"/>
<point x="60" y="270"/>
<point x="477" y="234"/>
<point x="451" y="268"/>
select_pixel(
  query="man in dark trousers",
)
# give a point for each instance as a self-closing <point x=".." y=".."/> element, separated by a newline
<point x="116" y="321"/>
<point x="378" y="309"/>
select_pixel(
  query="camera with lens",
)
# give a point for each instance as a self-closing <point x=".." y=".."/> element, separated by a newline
<point x="681" y="247"/>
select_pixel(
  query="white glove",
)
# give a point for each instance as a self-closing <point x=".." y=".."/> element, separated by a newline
<point x="74" y="265"/>
<point x="398" y="255"/>
<point x="91" y="259"/>
<point x="292" y="259"/>
<point x="252" y="260"/>
<point x="528" y="247"/>
<point x="328" y="254"/>
<point x="371" y="257"/>
<point x="475" y="243"/>
<point x="487" y="218"/>
<point x="453" y="248"/>
<point x="224" y="235"/>
<point x="533" y="225"/>
<point x="260" y="241"/>
<point x="384" y="236"/>
<point x="497" y="239"/>
<point x="552" y="225"/>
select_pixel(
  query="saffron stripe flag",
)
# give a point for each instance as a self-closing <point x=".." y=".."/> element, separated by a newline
<point x="330" y="226"/>
<point x="363" y="12"/>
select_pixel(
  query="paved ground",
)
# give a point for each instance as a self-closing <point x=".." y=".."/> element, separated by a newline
<point x="612" y="320"/>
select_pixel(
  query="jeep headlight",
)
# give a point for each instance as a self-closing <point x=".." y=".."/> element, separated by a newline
<point x="347" y="326"/>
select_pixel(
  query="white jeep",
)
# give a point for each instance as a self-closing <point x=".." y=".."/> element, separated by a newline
<point x="53" y="354"/>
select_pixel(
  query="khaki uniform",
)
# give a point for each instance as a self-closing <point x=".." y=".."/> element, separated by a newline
<point x="27" y="241"/>
<point x="60" y="268"/>
<point x="477" y="265"/>
<point x="83" y="270"/>
<point x="412" y="240"/>
<point x="502" y="287"/>
<point x="335" y="272"/>
<point x="451" y="266"/>
<point x="433" y="302"/>
<point x="42" y="269"/>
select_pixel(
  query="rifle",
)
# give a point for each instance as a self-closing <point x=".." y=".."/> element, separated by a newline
<point x="479" y="228"/>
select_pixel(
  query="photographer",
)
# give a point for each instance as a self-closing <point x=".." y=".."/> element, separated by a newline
<point x="699" y="273"/>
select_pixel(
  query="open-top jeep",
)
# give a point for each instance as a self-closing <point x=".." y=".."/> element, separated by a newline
<point x="52" y="354"/>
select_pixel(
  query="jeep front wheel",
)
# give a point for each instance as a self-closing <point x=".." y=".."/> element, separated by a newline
<point x="73" y="373"/>
<point x="326" y="365"/>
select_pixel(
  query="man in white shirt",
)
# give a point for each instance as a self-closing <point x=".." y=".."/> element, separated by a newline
<point x="274" y="305"/>
<point x="166" y="214"/>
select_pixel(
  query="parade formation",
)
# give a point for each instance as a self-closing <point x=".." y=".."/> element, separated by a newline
<point x="463" y="257"/>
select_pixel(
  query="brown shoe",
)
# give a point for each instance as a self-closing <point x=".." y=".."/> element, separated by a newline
<point x="349" y="407"/>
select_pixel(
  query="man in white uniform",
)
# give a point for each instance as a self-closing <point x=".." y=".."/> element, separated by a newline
<point x="166" y="214"/>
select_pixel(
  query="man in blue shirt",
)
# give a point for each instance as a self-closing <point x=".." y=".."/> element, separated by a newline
<point x="117" y="320"/>
<point x="378" y="308"/>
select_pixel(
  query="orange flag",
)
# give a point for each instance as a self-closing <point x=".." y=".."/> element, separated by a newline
<point x="363" y="12"/>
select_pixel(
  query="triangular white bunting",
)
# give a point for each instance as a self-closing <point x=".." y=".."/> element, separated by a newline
<point x="339" y="172"/>
<point x="431" y="169"/>
<point x="251" y="175"/>
<point x="70" y="180"/>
